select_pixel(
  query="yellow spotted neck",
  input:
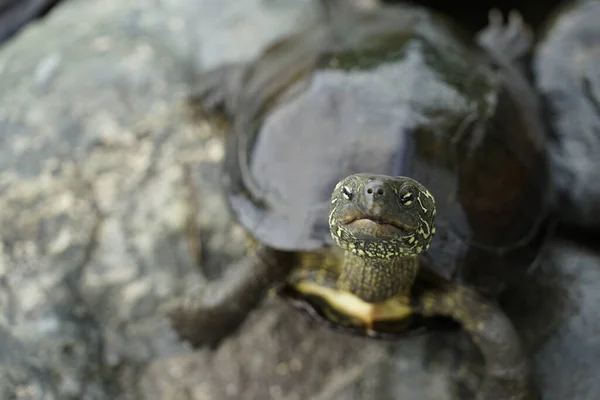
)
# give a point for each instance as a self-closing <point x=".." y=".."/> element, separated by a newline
<point x="374" y="279"/>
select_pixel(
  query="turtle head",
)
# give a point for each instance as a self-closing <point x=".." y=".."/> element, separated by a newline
<point x="383" y="217"/>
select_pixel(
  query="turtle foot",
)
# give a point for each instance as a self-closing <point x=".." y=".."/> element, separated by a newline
<point x="510" y="41"/>
<point x="507" y="374"/>
<point x="208" y="314"/>
<point x="200" y="323"/>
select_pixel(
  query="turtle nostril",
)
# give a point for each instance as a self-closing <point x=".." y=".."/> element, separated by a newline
<point x="374" y="189"/>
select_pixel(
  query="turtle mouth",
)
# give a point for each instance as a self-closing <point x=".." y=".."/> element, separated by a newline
<point x="379" y="223"/>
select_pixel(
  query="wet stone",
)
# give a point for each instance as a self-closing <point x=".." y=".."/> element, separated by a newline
<point x="567" y="77"/>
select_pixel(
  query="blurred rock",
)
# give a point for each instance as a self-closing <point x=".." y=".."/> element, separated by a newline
<point x="568" y="78"/>
<point x="105" y="190"/>
<point x="567" y="363"/>
<point x="280" y="354"/>
<point x="19" y="377"/>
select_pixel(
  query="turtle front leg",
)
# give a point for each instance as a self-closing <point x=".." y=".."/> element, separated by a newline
<point x="208" y="314"/>
<point x="507" y="368"/>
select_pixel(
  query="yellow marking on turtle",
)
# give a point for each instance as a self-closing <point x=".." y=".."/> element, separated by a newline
<point x="421" y="204"/>
<point x="427" y="194"/>
<point x="331" y="213"/>
<point x="421" y="231"/>
<point x="348" y="304"/>
<point x="428" y="303"/>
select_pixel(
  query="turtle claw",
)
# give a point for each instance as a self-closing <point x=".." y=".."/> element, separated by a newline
<point x="511" y="40"/>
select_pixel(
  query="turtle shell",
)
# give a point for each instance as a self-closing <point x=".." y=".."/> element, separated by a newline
<point x="398" y="92"/>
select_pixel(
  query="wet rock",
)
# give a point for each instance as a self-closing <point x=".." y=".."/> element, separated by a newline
<point x="105" y="189"/>
<point x="567" y="363"/>
<point x="281" y="354"/>
<point x="568" y="79"/>
<point x="19" y="376"/>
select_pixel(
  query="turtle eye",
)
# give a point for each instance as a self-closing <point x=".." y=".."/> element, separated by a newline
<point x="347" y="193"/>
<point x="407" y="199"/>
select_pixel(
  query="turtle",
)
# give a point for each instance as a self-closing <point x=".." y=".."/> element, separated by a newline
<point x="391" y="171"/>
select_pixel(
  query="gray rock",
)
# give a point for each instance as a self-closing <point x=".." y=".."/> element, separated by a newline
<point x="106" y="185"/>
<point x="280" y="354"/>
<point x="567" y="363"/>
<point x="568" y="79"/>
<point x="19" y="375"/>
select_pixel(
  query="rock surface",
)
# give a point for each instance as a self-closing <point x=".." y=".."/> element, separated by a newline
<point x="105" y="189"/>
<point x="568" y="79"/>
<point x="279" y="354"/>
<point x="567" y="363"/>
<point x="110" y="199"/>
